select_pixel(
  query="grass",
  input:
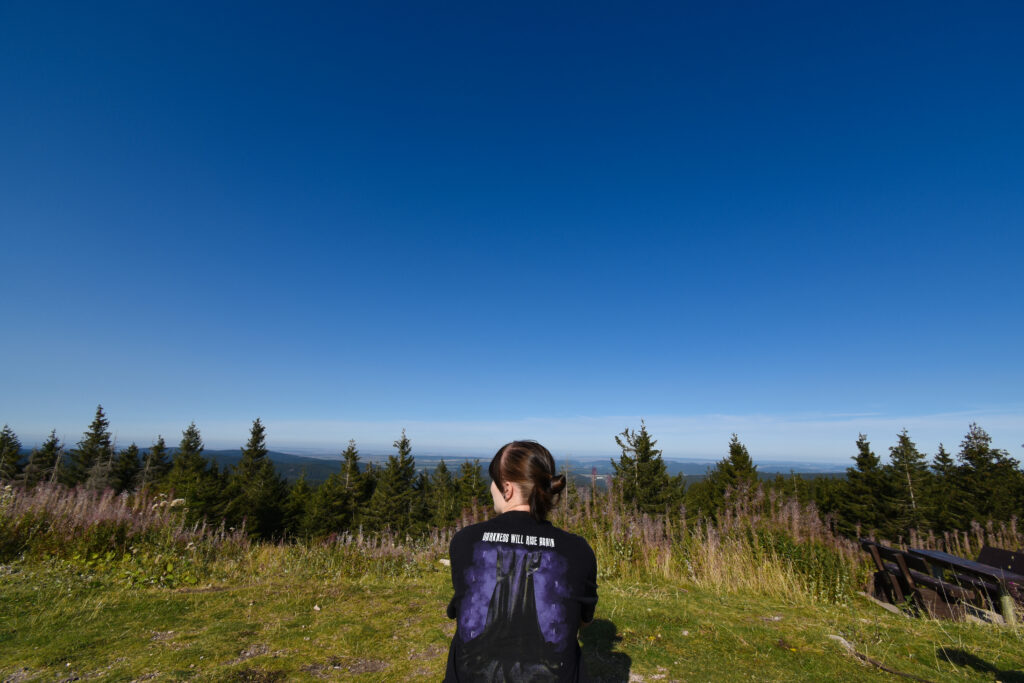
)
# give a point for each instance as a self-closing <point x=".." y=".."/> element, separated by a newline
<point x="94" y="586"/>
<point x="261" y="623"/>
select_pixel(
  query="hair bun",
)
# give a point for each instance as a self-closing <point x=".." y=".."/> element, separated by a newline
<point x="557" y="483"/>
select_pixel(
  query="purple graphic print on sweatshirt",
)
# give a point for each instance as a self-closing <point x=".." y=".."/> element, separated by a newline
<point x="550" y="585"/>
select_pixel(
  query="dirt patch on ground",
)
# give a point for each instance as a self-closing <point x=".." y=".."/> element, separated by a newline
<point x="256" y="676"/>
<point x="352" y="665"/>
<point x="254" y="650"/>
<point x="431" y="652"/>
<point x="19" y="675"/>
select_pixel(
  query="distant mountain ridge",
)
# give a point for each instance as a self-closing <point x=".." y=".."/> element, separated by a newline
<point x="318" y="468"/>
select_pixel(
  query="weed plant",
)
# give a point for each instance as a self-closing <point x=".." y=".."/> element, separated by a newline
<point x="757" y="543"/>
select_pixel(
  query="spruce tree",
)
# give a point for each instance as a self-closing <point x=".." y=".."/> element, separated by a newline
<point x="328" y="510"/>
<point x="908" y="483"/>
<point x="641" y="476"/>
<point x="391" y="503"/>
<point x="357" y="485"/>
<point x="420" y="513"/>
<point x="101" y="475"/>
<point x="734" y="475"/>
<point x="471" y="489"/>
<point x="864" y="500"/>
<point x="947" y="509"/>
<point x="95" y="448"/>
<point x="255" y="491"/>
<point x="42" y="462"/>
<point x="196" y="480"/>
<point x="126" y="469"/>
<point x="10" y="454"/>
<point x="296" y="507"/>
<point x="444" y="506"/>
<point x="738" y="470"/>
<point x="350" y="466"/>
<point x="989" y="478"/>
<point x="155" y="465"/>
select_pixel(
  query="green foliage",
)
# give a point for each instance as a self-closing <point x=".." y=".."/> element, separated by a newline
<point x="421" y="507"/>
<point x="191" y="477"/>
<point x="156" y="465"/>
<point x="640" y="474"/>
<point x="126" y="469"/>
<point x="990" y="479"/>
<point x="335" y="505"/>
<point x="826" y="575"/>
<point x="255" y="492"/>
<point x="865" y="500"/>
<point x="908" y="482"/>
<point x="443" y="502"/>
<point x="471" y="489"/>
<point x="95" y="449"/>
<point x="10" y="454"/>
<point x="297" y="507"/>
<point x="392" y="501"/>
<point x="947" y="500"/>
<point x="984" y="484"/>
<point x="357" y="485"/>
<point x="733" y="479"/>
<point x="43" y="461"/>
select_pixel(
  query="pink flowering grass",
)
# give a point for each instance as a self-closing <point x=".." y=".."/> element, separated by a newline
<point x="52" y="520"/>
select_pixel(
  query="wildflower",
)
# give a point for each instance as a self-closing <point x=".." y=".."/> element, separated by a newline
<point x="177" y="502"/>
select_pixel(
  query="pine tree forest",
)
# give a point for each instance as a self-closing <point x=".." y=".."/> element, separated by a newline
<point x="891" y="497"/>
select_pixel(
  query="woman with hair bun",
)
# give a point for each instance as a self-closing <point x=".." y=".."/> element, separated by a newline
<point x="523" y="588"/>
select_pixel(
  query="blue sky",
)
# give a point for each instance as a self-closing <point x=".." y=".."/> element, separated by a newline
<point x="482" y="222"/>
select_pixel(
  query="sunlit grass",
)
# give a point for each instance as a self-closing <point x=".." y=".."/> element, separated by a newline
<point x="123" y="590"/>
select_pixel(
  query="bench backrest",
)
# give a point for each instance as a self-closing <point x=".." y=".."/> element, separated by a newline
<point x="1004" y="559"/>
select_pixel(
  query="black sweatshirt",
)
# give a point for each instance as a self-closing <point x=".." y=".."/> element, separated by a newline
<point x="522" y="588"/>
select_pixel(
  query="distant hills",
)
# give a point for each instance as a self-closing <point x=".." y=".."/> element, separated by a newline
<point x="318" y="468"/>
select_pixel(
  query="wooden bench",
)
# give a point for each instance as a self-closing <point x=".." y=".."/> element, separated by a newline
<point x="997" y="583"/>
<point x="1002" y="559"/>
<point x="901" y="576"/>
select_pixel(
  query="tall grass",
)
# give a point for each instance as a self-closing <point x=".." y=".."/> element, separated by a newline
<point x="141" y="538"/>
<point x="759" y="543"/>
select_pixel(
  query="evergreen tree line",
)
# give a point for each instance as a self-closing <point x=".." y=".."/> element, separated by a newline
<point x="393" y="497"/>
<point x="643" y="484"/>
<point x="981" y="484"/>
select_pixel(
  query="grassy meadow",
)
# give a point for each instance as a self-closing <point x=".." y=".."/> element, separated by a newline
<point x="119" y="589"/>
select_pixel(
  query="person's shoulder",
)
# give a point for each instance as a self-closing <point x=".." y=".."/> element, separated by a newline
<point x="471" y="532"/>
<point x="574" y="541"/>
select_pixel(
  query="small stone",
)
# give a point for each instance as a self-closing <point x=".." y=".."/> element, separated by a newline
<point x="316" y="608"/>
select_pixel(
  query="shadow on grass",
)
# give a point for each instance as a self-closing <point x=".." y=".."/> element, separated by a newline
<point x="600" y="660"/>
<point x="959" y="657"/>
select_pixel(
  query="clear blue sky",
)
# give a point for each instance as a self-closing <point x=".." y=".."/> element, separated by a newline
<point x="485" y="221"/>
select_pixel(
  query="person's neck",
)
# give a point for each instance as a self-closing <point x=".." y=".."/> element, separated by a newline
<point x="522" y="507"/>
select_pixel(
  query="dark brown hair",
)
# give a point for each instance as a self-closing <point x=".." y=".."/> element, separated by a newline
<point x="530" y="465"/>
